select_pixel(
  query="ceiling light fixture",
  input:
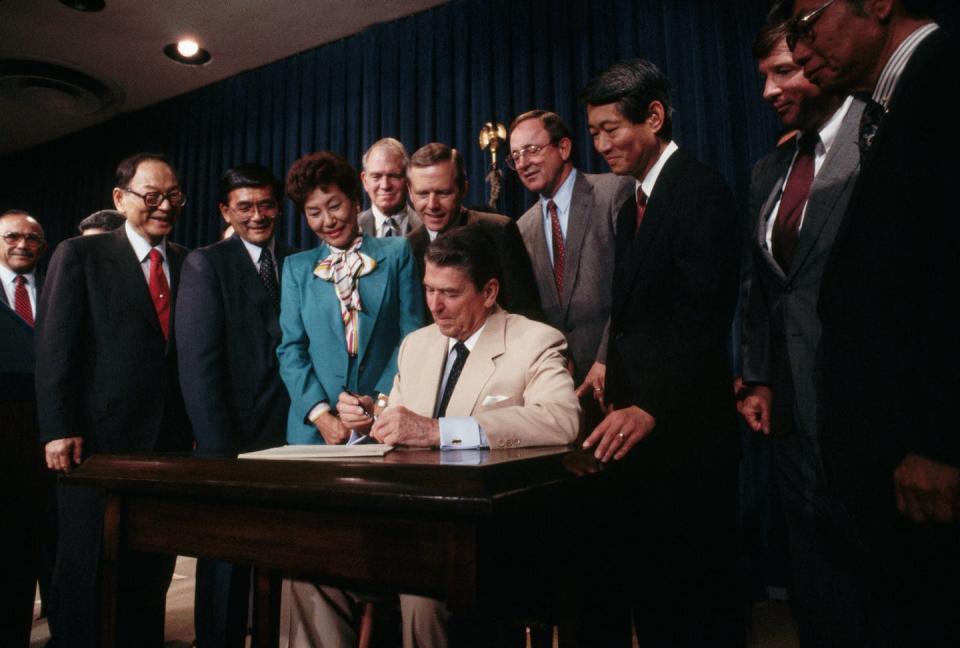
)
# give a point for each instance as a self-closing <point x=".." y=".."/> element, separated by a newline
<point x="187" y="51"/>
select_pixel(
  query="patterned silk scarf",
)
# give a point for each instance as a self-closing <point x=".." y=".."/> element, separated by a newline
<point x="344" y="268"/>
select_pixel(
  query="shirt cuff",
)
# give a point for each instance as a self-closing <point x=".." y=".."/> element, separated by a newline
<point x="461" y="433"/>
<point x="318" y="409"/>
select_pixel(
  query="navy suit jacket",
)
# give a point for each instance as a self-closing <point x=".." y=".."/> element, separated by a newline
<point x="890" y="347"/>
<point x="674" y="292"/>
<point x="227" y="337"/>
<point x="104" y="371"/>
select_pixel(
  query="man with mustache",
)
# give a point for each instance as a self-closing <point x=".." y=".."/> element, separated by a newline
<point x="798" y="196"/>
<point x="107" y="382"/>
<point x="890" y="351"/>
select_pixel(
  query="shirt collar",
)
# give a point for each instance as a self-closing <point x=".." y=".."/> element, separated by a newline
<point x="256" y="250"/>
<point x="7" y="276"/>
<point x="141" y="246"/>
<point x="379" y="216"/>
<point x="830" y="128"/>
<point x="650" y="179"/>
<point x="470" y="342"/>
<point x="563" y="196"/>
<point x="893" y="70"/>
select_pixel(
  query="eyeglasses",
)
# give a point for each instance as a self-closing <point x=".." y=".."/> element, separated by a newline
<point x="154" y="199"/>
<point x="12" y="238"/>
<point x="248" y="208"/>
<point x="798" y="29"/>
<point x="530" y="150"/>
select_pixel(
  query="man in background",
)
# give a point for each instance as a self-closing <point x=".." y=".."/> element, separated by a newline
<point x="100" y="222"/>
<point x="107" y="383"/>
<point x="227" y="337"/>
<point x="437" y="183"/>
<point x="384" y="178"/>
<point x="798" y="197"/>
<point x="569" y="234"/>
<point x="890" y="350"/>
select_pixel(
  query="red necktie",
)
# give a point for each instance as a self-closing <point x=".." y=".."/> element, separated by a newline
<point x="21" y="300"/>
<point x="786" y="229"/>
<point x="160" y="292"/>
<point x="641" y="209"/>
<point x="558" y="249"/>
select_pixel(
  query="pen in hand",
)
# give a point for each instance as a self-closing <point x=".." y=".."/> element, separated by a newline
<point x="366" y="412"/>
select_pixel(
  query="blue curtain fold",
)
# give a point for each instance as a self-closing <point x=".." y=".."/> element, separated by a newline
<point x="438" y="75"/>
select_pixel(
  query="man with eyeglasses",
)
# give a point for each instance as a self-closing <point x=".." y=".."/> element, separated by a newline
<point x="107" y="383"/>
<point x="227" y="337"/>
<point x="890" y="352"/>
<point x="437" y="183"/>
<point x="568" y="234"/>
<point x="27" y="503"/>
<point x="798" y="197"/>
<point x="384" y="178"/>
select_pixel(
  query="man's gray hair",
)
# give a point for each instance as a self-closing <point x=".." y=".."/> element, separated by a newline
<point x="395" y="146"/>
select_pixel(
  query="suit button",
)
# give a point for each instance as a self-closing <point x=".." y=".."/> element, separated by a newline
<point x="362" y="366"/>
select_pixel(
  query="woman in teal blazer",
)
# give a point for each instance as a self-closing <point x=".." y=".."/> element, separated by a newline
<point x="345" y="306"/>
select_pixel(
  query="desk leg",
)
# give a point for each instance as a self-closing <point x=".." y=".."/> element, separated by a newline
<point x="110" y="570"/>
<point x="266" y="607"/>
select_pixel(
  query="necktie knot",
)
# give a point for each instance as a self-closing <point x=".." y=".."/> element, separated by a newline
<point x="641" y="209"/>
<point x="21" y="300"/>
<point x="807" y="143"/>
<point x="155" y="256"/>
<point x="20" y="280"/>
<point x="390" y="227"/>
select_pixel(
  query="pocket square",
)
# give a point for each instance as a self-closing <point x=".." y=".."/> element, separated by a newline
<point x="493" y="398"/>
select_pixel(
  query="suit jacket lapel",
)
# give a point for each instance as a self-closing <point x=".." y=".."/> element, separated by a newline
<point x="328" y="305"/>
<point x="581" y="211"/>
<point x="252" y="285"/>
<point x="479" y="367"/>
<point x="132" y="286"/>
<point x="372" y="287"/>
<point x="829" y="185"/>
<point x="541" y="259"/>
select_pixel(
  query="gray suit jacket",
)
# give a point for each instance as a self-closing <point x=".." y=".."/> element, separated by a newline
<point x="368" y="224"/>
<point x="582" y="313"/>
<point x="781" y="329"/>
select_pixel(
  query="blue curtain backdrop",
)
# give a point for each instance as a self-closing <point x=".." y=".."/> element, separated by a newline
<point x="438" y="75"/>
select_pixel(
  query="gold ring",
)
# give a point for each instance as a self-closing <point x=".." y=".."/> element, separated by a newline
<point x="620" y="434"/>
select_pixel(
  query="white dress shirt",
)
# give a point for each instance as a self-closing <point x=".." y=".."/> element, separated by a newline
<point x="142" y="247"/>
<point x="256" y="251"/>
<point x="460" y="432"/>
<point x="380" y="220"/>
<point x="9" y="279"/>
<point x="650" y="179"/>
<point x="562" y="200"/>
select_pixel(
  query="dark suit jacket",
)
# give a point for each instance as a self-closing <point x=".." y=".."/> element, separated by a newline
<point x="890" y="347"/>
<point x="582" y="313"/>
<point x="781" y="329"/>
<point x="104" y="371"/>
<point x="518" y="291"/>
<point x="227" y="337"/>
<point x="674" y="294"/>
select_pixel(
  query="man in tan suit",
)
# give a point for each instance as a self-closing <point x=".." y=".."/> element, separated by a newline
<point x="478" y="377"/>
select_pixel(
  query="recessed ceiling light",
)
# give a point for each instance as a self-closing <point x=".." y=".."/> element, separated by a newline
<point x="188" y="52"/>
<point x="84" y="5"/>
<point x="188" y="48"/>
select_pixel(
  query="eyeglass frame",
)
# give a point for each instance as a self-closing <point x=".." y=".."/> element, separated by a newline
<point x="257" y="207"/>
<point x="530" y="150"/>
<point x="799" y="29"/>
<point x="33" y="239"/>
<point x="163" y="196"/>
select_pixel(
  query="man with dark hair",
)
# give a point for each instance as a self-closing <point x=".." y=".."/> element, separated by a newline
<point x="101" y="222"/>
<point x="890" y="351"/>
<point x="227" y="337"/>
<point x="569" y="234"/>
<point x="384" y="178"/>
<point x="671" y="416"/>
<point x="437" y="183"/>
<point x="478" y="377"/>
<point x="798" y="196"/>
<point x="107" y="383"/>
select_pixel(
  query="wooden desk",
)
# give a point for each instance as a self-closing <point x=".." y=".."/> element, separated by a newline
<point x="480" y="529"/>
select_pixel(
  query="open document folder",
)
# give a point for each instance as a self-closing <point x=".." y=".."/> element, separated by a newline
<point x="301" y="452"/>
